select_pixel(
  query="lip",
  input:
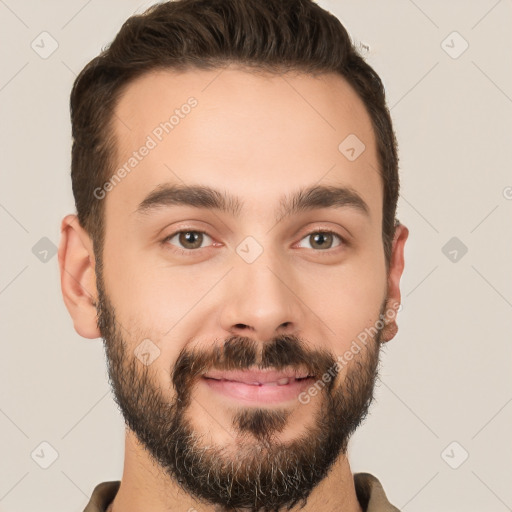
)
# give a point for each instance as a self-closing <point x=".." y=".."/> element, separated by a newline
<point x="262" y="387"/>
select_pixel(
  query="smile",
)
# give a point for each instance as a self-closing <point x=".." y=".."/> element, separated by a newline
<point x="261" y="387"/>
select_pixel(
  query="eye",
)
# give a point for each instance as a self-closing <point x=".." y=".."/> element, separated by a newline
<point x="187" y="239"/>
<point x="322" y="240"/>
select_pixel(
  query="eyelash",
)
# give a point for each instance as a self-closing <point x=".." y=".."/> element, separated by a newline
<point x="193" y="252"/>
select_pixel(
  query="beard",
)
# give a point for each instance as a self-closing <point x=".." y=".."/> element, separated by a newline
<point x="258" y="473"/>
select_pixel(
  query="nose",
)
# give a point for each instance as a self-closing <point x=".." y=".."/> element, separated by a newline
<point x="259" y="300"/>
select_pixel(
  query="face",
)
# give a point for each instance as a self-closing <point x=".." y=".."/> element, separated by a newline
<point x="243" y="262"/>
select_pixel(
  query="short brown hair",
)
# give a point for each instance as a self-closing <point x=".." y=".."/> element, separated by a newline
<point x="272" y="35"/>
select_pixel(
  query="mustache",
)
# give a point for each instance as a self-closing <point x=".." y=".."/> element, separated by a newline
<point x="242" y="353"/>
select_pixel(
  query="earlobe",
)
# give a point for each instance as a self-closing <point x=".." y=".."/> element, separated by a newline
<point x="396" y="268"/>
<point x="78" y="277"/>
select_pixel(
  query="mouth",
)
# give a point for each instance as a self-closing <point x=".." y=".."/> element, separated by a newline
<point x="258" y="386"/>
<point x="259" y="378"/>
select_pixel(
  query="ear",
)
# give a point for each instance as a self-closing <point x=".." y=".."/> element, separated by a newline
<point x="396" y="267"/>
<point x="78" y="277"/>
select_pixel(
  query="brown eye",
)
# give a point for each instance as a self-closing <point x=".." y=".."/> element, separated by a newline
<point x="322" y="240"/>
<point x="188" y="239"/>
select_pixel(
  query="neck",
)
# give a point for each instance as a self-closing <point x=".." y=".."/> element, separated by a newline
<point x="144" y="486"/>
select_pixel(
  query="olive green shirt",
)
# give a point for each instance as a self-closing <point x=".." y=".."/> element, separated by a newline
<point x="369" y="491"/>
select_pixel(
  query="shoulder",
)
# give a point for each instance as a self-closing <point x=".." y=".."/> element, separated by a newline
<point x="102" y="495"/>
<point x="371" y="495"/>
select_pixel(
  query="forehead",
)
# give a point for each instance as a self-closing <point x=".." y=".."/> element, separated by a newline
<point x="259" y="135"/>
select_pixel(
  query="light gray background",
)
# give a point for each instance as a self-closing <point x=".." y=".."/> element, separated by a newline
<point x="445" y="377"/>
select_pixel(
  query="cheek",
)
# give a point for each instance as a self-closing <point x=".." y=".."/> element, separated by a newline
<point x="348" y="300"/>
<point x="156" y="301"/>
<point x="147" y="290"/>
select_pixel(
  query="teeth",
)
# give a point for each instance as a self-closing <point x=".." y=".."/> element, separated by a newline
<point x="281" y="382"/>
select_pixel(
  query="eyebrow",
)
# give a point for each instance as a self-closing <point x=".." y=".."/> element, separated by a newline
<point x="201" y="196"/>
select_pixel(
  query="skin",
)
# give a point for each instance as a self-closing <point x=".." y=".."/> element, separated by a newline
<point x="258" y="137"/>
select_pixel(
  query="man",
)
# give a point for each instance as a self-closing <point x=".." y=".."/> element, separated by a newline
<point x="235" y="175"/>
